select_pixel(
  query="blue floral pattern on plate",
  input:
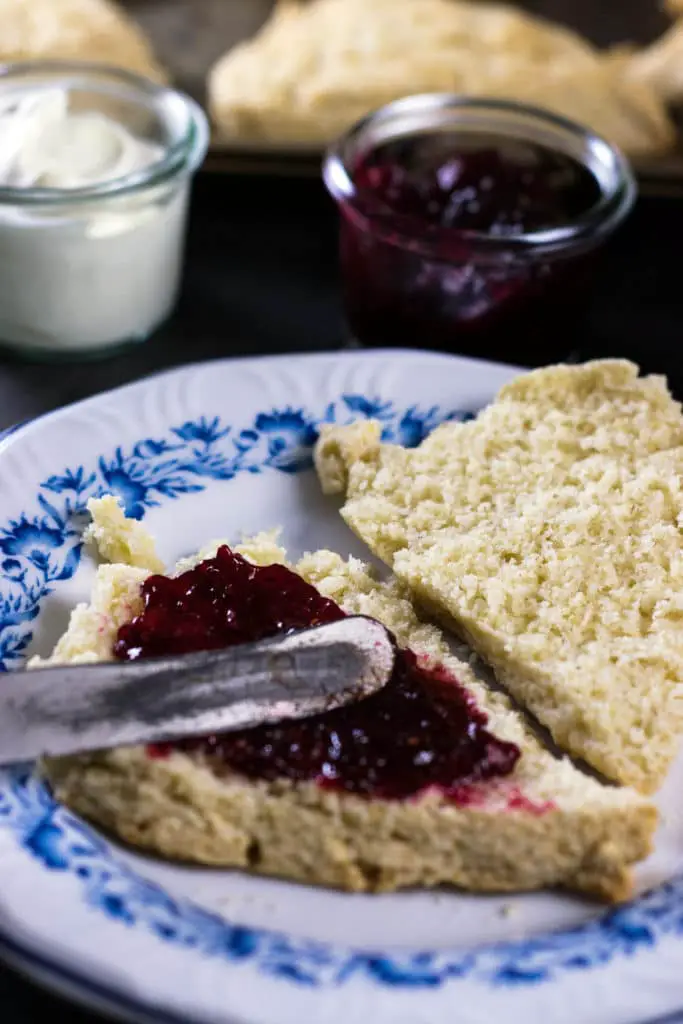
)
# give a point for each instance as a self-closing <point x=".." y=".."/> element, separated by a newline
<point x="42" y="547"/>
<point x="63" y="843"/>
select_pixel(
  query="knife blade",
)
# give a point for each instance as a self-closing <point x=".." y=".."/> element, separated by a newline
<point x="69" y="709"/>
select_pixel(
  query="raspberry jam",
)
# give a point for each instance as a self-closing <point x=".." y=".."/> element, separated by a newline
<point x="422" y="730"/>
<point x="447" y="292"/>
<point x="492" y="186"/>
<point x="461" y="220"/>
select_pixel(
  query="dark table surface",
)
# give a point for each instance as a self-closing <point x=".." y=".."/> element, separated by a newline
<point x="261" y="278"/>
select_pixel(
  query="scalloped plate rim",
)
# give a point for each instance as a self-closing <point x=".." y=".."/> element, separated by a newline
<point x="9" y="434"/>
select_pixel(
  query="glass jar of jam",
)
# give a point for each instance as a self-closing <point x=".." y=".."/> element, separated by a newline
<point x="463" y="220"/>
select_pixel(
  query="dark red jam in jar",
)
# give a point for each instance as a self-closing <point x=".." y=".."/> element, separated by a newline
<point x="422" y="730"/>
<point x="463" y="219"/>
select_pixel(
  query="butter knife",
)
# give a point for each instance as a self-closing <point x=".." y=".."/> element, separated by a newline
<point x="69" y="709"/>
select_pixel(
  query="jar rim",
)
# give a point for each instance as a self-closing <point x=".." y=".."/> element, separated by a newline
<point x="180" y="114"/>
<point x="446" y="112"/>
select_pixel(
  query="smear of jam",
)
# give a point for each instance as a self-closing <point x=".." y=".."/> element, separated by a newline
<point x="421" y="730"/>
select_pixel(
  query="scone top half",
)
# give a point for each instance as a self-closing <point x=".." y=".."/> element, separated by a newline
<point x="546" y="533"/>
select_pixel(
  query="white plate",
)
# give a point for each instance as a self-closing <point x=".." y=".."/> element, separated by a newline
<point x="218" y="450"/>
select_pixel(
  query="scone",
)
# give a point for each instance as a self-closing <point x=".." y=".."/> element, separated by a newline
<point x="317" y="67"/>
<point x="88" y="30"/>
<point x="547" y="532"/>
<point x="438" y="781"/>
<point x="661" y="65"/>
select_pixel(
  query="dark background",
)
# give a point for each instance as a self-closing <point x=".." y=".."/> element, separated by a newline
<point x="261" y="278"/>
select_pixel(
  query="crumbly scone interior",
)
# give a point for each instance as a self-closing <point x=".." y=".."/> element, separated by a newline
<point x="548" y="532"/>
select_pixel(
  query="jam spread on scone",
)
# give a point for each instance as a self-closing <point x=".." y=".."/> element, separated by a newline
<point x="422" y="730"/>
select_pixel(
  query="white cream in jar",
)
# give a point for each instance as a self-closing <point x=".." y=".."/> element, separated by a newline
<point x="92" y="212"/>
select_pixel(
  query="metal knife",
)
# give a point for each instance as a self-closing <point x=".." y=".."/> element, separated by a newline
<point x="69" y="709"/>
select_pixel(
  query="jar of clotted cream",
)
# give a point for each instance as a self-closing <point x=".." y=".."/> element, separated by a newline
<point x="95" y="166"/>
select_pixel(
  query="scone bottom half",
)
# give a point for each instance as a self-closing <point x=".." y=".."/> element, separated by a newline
<point x="433" y="781"/>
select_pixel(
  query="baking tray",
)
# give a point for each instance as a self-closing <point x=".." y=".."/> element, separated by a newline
<point x="190" y="35"/>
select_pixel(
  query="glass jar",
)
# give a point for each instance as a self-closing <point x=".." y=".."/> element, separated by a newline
<point x="463" y="220"/>
<point x="85" y="268"/>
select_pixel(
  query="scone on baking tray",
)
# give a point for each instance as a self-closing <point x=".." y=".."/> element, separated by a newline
<point x="317" y="66"/>
<point x="434" y="780"/>
<point x="89" y="30"/>
<point x="547" y="532"/>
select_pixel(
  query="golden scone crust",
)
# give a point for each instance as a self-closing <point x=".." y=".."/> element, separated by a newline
<point x="661" y="65"/>
<point x="88" y="30"/>
<point x="317" y="67"/>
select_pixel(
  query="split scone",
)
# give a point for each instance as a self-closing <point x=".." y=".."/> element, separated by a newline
<point x="319" y="65"/>
<point x="88" y="30"/>
<point x="547" y="532"/>
<point x="433" y="780"/>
